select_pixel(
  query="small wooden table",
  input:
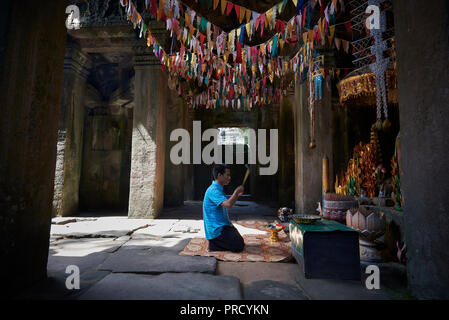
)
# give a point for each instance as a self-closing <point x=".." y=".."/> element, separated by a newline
<point x="326" y="249"/>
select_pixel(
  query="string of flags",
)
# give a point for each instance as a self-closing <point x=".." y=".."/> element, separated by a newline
<point x="206" y="58"/>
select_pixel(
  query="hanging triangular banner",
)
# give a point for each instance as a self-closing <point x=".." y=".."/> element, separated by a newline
<point x="331" y="34"/>
<point x="269" y="15"/>
<point x="229" y="8"/>
<point x="223" y="6"/>
<point x="237" y="10"/>
<point x="348" y="27"/>
<point x="335" y="4"/>
<point x="242" y="14"/>
<point x="216" y="4"/>
<point x="337" y="43"/>
<point x="304" y="37"/>
<point x="248" y="28"/>
<point x="248" y="15"/>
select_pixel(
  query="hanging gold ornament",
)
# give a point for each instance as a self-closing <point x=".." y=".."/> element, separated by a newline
<point x="312" y="144"/>
<point x="386" y="125"/>
<point x="378" y="124"/>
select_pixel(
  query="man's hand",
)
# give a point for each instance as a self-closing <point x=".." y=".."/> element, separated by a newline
<point x="228" y="204"/>
<point x="239" y="190"/>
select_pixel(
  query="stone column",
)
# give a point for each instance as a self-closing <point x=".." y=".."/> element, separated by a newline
<point x="189" y="182"/>
<point x="146" y="194"/>
<point x="174" y="174"/>
<point x="422" y="45"/>
<point x="34" y="42"/>
<point x="308" y="162"/>
<point x="286" y="151"/>
<point x="268" y="118"/>
<point x="70" y="133"/>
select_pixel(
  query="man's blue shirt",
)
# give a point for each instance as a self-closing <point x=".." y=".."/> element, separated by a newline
<point x="214" y="215"/>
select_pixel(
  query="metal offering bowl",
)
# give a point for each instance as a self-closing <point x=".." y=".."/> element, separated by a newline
<point x="305" y="218"/>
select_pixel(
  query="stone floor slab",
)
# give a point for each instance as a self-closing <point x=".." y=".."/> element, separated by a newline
<point x="157" y="260"/>
<point x="272" y="290"/>
<point x="333" y="289"/>
<point x="158" y="228"/>
<point x="167" y="286"/>
<point x="101" y="227"/>
<point x="248" y="272"/>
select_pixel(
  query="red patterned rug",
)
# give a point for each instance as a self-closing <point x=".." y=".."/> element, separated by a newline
<point x="257" y="245"/>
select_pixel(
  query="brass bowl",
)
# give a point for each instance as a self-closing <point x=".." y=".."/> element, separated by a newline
<point x="305" y="218"/>
<point x="274" y="229"/>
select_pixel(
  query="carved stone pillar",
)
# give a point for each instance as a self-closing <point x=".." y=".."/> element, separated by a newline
<point x="70" y="133"/>
<point x="146" y="194"/>
<point x="286" y="151"/>
<point x="308" y="162"/>
<point x="30" y="101"/>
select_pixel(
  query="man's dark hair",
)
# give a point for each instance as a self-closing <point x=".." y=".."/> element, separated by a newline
<point x="220" y="168"/>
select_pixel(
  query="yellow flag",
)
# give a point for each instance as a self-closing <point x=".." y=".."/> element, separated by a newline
<point x="269" y="16"/>
<point x="344" y="45"/>
<point x="223" y="6"/>
<point x="248" y="15"/>
<point x="295" y="2"/>
<point x="215" y="4"/>
<point x="310" y="35"/>
<point x="331" y="35"/>
<point x="238" y="33"/>
<point x="281" y="43"/>
<point x="242" y="14"/>
<point x="187" y="18"/>
<point x="248" y="28"/>
<point x="280" y="8"/>
<point x="304" y="37"/>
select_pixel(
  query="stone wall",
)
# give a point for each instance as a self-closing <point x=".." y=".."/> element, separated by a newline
<point x="287" y="152"/>
<point x="422" y="42"/>
<point x="265" y="117"/>
<point x="30" y="102"/>
<point x="308" y="162"/>
<point x="174" y="174"/>
<point x="105" y="168"/>
<point x="70" y="133"/>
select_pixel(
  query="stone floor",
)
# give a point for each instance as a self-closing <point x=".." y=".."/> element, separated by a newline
<point x="121" y="258"/>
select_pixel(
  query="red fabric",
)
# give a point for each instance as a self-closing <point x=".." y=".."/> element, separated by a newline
<point x="239" y="52"/>
<point x="348" y="27"/>
<point x="237" y="10"/>
<point x="304" y="17"/>
<point x="154" y="7"/>
<point x="229" y="8"/>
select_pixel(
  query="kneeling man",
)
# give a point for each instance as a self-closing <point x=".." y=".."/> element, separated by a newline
<point x="220" y="232"/>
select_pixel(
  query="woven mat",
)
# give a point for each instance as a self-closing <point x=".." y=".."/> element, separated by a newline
<point x="257" y="246"/>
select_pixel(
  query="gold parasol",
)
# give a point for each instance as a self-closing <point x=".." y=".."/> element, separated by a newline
<point x="360" y="90"/>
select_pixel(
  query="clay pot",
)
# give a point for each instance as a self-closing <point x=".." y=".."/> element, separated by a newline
<point x="370" y="223"/>
<point x="336" y="210"/>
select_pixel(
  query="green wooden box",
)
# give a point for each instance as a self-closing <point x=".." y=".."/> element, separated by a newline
<point x="326" y="249"/>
